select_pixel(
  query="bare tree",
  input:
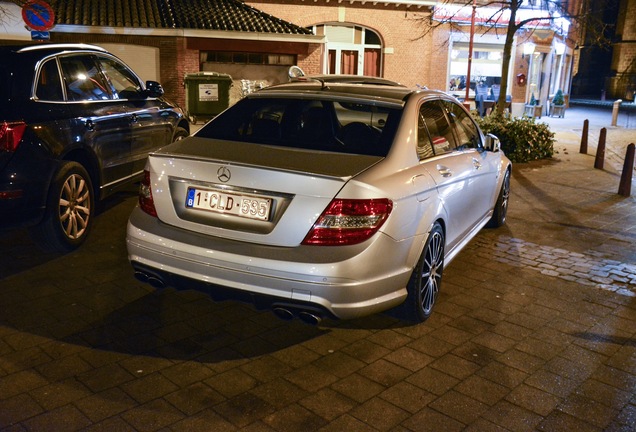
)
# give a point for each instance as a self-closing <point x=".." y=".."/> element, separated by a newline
<point x="5" y="12"/>
<point x="504" y="15"/>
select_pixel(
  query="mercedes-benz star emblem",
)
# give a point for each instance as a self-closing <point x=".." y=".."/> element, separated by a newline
<point x="224" y="174"/>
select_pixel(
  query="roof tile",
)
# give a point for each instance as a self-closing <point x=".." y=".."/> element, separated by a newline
<point x="228" y="15"/>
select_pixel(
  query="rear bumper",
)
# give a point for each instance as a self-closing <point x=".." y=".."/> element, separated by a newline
<point x="24" y="186"/>
<point x="18" y="208"/>
<point x="17" y="219"/>
<point x="161" y="278"/>
<point x="344" y="282"/>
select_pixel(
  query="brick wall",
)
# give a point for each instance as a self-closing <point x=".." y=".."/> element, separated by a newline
<point x="624" y="51"/>
<point x="311" y="63"/>
<point x="623" y="84"/>
<point x="519" y="65"/>
<point x="184" y="62"/>
<point x="408" y="59"/>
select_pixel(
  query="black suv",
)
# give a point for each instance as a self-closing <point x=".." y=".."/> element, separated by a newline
<point x="76" y="124"/>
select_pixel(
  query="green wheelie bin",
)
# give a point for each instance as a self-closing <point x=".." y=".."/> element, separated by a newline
<point x="207" y="94"/>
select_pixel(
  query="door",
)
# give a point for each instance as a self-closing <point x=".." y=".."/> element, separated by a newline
<point x="483" y="175"/>
<point x="96" y="119"/>
<point x="151" y="125"/>
<point x="449" y="167"/>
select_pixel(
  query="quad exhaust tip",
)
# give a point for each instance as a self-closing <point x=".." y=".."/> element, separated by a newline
<point x="281" y="312"/>
<point x="309" y="318"/>
<point x="305" y="316"/>
<point x="284" y="314"/>
<point x="154" y="281"/>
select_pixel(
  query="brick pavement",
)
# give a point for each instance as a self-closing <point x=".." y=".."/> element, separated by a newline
<point x="514" y="344"/>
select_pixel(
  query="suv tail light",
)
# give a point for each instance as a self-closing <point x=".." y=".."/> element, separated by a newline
<point x="11" y="135"/>
<point x="349" y="221"/>
<point x="146" y="203"/>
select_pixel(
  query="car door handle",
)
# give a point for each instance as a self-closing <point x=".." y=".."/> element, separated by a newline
<point x="476" y="163"/>
<point x="444" y="171"/>
<point x="89" y="124"/>
<point x="134" y="118"/>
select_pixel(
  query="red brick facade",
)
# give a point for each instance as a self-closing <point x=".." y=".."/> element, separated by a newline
<point x="408" y="58"/>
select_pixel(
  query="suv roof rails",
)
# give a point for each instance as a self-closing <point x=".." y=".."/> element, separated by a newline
<point x="61" y="46"/>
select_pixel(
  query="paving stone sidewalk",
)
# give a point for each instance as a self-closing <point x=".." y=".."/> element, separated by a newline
<point x="535" y="330"/>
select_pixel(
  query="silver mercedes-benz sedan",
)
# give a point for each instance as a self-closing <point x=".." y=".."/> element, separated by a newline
<point x="320" y="199"/>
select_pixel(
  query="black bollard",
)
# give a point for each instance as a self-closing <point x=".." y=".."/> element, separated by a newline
<point x="625" y="186"/>
<point x="600" y="150"/>
<point x="586" y="126"/>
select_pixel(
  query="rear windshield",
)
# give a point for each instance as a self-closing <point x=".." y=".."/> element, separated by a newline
<point x="324" y="125"/>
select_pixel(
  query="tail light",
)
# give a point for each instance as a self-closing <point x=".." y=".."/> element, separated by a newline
<point x="11" y="135"/>
<point x="349" y="221"/>
<point x="146" y="203"/>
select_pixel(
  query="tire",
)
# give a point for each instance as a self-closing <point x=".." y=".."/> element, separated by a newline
<point x="69" y="210"/>
<point x="426" y="279"/>
<point x="179" y="134"/>
<point x="501" y="206"/>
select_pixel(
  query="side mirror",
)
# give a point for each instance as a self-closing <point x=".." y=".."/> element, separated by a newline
<point x="492" y="143"/>
<point x="154" y="89"/>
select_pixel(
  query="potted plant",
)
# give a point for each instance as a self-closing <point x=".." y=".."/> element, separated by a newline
<point x="533" y="108"/>
<point x="558" y="104"/>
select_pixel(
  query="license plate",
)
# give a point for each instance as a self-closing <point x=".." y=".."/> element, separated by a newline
<point x="247" y="206"/>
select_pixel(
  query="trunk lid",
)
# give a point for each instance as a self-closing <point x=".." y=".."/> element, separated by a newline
<point x="253" y="193"/>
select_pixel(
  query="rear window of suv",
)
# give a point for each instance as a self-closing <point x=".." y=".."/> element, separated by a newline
<point x="324" y="125"/>
<point x="49" y="84"/>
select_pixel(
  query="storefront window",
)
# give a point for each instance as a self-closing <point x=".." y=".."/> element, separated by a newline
<point x="485" y="66"/>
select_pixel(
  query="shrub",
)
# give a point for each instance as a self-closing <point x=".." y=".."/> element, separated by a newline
<point x="522" y="139"/>
<point x="558" y="98"/>
<point x="533" y="100"/>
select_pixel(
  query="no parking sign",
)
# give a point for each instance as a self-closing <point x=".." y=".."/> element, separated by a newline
<point x="38" y="15"/>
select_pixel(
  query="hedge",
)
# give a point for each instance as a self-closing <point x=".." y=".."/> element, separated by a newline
<point x="522" y="138"/>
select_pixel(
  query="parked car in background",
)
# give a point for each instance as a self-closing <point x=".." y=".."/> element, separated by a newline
<point x="76" y="124"/>
<point x="320" y="199"/>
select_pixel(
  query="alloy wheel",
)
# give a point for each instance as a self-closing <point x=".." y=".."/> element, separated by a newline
<point x="432" y="268"/>
<point x="75" y="205"/>
<point x="505" y="194"/>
